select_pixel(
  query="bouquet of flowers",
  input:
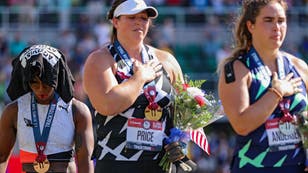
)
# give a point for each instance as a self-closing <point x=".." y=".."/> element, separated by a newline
<point x="193" y="110"/>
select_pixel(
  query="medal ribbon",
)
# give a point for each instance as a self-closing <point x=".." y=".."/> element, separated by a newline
<point x="284" y="106"/>
<point x="281" y="70"/>
<point x="285" y="103"/>
<point x="264" y="71"/>
<point x="150" y="94"/>
<point x="41" y="139"/>
<point x="125" y="57"/>
<point x="149" y="89"/>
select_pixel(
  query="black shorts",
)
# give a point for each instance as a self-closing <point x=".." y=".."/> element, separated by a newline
<point x="111" y="166"/>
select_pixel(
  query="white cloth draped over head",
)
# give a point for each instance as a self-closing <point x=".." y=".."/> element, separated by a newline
<point x="52" y="67"/>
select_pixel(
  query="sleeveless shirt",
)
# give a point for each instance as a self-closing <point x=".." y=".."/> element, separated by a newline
<point x="111" y="130"/>
<point x="253" y="149"/>
<point x="61" y="136"/>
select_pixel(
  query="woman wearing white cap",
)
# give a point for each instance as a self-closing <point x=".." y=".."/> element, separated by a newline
<point x="129" y="84"/>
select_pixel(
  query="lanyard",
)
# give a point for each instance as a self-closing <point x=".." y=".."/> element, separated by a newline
<point x="285" y="103"/>
<point x="264" y="70"/>
<point x="41" y="138"/>
<point x="266" y="73"/>
<point x="280" y="65"/>
<point x="125" y="57"/>
<point x="149" y="89"/>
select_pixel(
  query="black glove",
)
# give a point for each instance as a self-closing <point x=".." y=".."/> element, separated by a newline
<point x="185" y="165"/>
<point x="174" y="151"/>
<point x="180" y="163"/>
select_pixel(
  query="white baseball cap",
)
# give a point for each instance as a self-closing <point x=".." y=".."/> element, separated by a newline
<point x="130" y="7"/>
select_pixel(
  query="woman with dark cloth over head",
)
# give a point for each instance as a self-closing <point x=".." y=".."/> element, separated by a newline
<point x="51" y="126"/>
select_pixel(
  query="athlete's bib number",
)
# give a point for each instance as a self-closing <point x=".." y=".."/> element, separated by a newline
<point x="144" y="134"/>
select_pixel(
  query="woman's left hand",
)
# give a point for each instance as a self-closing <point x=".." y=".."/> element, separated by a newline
<point x="174" y="151"/>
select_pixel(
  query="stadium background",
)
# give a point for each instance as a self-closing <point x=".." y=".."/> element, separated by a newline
<point x="197" y="32"/>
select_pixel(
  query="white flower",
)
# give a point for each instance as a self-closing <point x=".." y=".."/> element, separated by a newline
<point x="194" y="91"/>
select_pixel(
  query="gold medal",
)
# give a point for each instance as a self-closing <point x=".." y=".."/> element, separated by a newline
<point x="153" y="114"/>
<point x="41" y="167"/>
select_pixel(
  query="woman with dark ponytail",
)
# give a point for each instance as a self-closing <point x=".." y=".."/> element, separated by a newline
<point x="262" y="89"/>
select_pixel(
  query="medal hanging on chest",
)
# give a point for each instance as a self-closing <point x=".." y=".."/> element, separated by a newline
<point x="153" y="111"/>
<point x="41" y="163"/>
<point x="287" y="122"/>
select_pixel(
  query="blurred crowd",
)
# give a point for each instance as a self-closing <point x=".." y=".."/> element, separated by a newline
<point x="92" y="31"/>
<point x="196" y="3"/>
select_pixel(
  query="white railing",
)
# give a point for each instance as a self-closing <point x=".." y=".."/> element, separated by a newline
<point x="184" y="16"/>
